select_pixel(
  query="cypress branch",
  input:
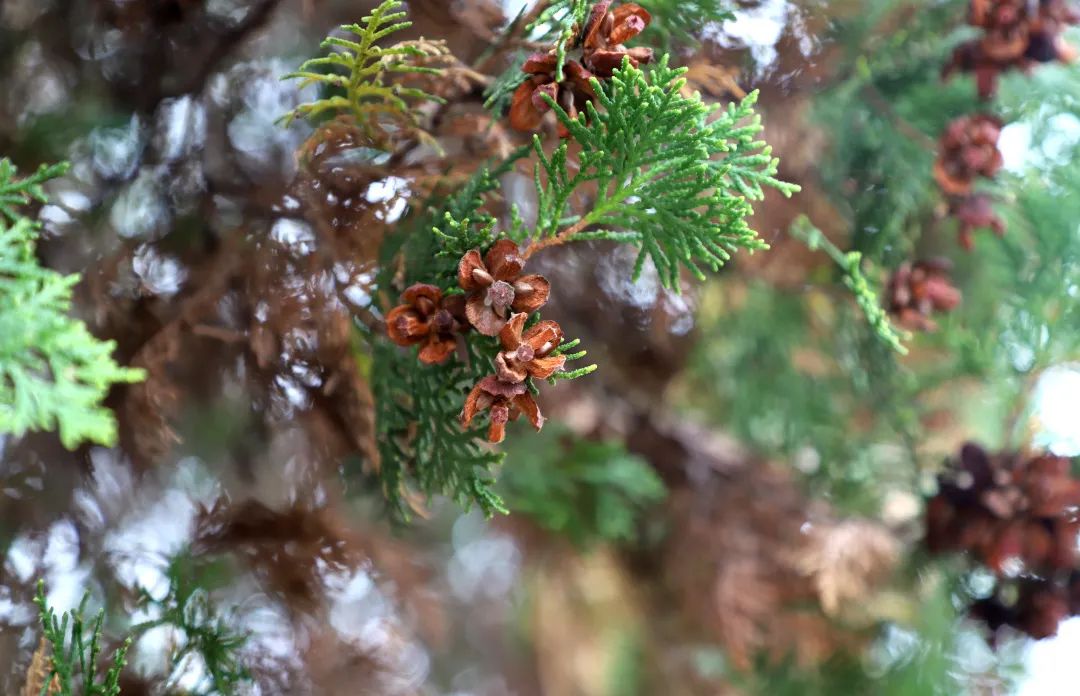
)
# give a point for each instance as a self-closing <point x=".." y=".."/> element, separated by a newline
<point x="672" y="175"/>
<point x="53" y="373"/>
<point x="357" y="75"/>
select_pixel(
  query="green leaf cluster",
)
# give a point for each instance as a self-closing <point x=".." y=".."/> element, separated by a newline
<point x="673" y="175"/>
<point x="16" y="192"/>
<point x="883" y="116"/>
<point x="423" y="448"/>
<point x="798" y="375"/>
<point x="75" y="652"/>
<point x="53" y="373"/>
<point x="422" y="445"/>
<point x="592" y="491"/>
<point x="362" y="77"/>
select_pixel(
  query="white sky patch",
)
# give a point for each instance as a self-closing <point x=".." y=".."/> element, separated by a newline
<point x="511" y="8"/>
<point x="1057" y="410"/>
<point x="1053" y="669"/>
<point x="1061" y="137"/>
<point x="1015" y="145"/>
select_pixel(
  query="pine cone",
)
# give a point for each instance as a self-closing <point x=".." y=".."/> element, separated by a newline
<point x="505" y="401"/>
<point x="607" y="31"/>
<point x="528" y="105"/>
<point x="496" y="286"/>
<point x="1007" y="507"/>
<point x="528" y="353"/>
<point x="426" y="316"/>
<point x="915" y="291"/>
<point x="968" y="150"/>
<point x="973" y="212"/>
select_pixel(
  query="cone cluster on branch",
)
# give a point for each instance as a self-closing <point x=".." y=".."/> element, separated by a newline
<point x="968" y="151"/>
<point x="1017" y="34"/>
<point x="1017" y="515"/>
<point x="497" y="300"/>
<point x="602" y="51"/>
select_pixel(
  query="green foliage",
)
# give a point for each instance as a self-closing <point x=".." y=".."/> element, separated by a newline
<point x="569" y="349"/>
<point x="592" y="491"/>
<point x="801" y="376"/>
<point x="883" y="117"/>
<point x="358" y="74"/>
<point x="673" y="175"/>
<point x="187" y="607"/>
<point x="421" y="443"/>
<point x="422" y="447"/>
<point x="1020" y="313"/>
<point x="678" y="23"/>
<point x="15" y="192"/>
<point x="850" y="264"/>
<point x="75" y="654"/>
<point x="53" y="373"/>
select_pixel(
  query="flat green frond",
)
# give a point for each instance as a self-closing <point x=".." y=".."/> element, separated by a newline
<point x="356" y="76"/>
<point x="15" y="192"/>
<point x="422" y="446"/>
<point x="53" y="373"/>
<point x="674" y="176"/>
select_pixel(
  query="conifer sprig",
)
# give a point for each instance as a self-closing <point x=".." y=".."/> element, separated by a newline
<point x="15" y="192"/>
<point x="866" y="297"/>
<point x="422" y="447"/>
<point x="359" y="73"/>
<point x="53" y="373"/>
<point x="671" y="176"/>
<point x="75" y="654"/>
<point x="206" y="632"/>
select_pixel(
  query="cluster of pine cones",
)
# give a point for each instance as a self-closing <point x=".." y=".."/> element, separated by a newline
<point x="496" y="299"/>
<point x="1017" y="34"/>
<point x="1017" y="515"/>
<point x="968" y="150"/>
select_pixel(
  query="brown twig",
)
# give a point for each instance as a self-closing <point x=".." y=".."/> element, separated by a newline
<point x="561" y="238"/>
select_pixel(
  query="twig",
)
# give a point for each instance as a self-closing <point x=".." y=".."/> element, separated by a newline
<point x="561" y="238"/>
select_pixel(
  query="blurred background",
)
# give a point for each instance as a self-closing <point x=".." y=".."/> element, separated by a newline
<point x="732" y="504"/>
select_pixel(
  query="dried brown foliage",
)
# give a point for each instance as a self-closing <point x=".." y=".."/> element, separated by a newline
<point x="38" y="672"/>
